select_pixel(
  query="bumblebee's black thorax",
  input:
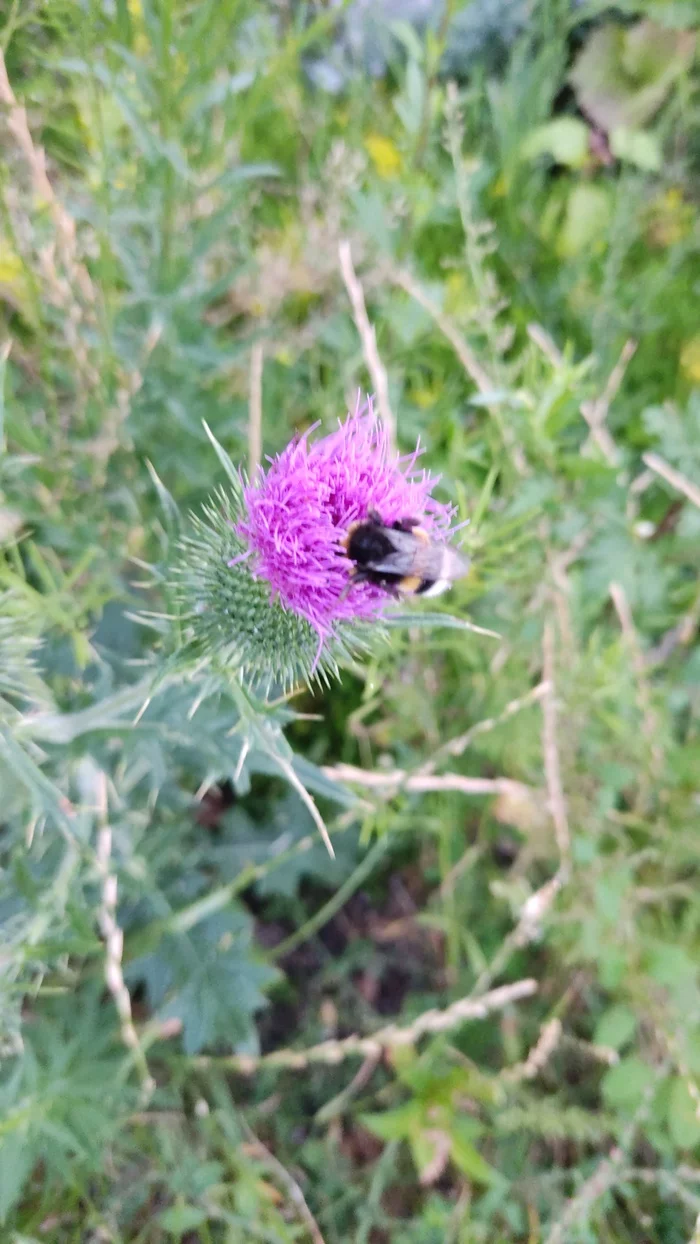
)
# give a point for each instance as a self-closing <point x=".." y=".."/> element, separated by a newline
<point x="368" y="544"/>
<point x="402" y="559"/>
<point x="373" y="550"/>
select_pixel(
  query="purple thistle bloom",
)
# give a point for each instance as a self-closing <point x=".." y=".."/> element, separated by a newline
<point x="299" y="510"/>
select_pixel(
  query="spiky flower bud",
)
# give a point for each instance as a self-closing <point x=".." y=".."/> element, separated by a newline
<point x="263" y="579"/>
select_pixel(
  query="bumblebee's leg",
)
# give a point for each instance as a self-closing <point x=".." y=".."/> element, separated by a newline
<point x="357" y="575"/>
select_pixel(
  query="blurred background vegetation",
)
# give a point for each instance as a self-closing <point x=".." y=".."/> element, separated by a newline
<point x="518" y="181"/>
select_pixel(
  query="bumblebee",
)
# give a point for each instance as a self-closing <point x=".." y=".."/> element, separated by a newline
<point x="402" y="559"/>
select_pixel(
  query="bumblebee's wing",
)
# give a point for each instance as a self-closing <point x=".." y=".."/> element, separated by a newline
<point x="406" y="556"/>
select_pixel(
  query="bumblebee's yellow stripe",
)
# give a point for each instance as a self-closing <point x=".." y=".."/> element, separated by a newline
<point x="411" y="583"/>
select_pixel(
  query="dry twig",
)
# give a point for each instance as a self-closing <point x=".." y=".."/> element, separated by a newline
<point x="528" y="928"/>
<point x="596" y="412"/>
<point x="464" y="353"/>
<point x="334" y="1051"/>
<point x="459" y="744"/>
<point x="256" y="1149"/>
<point x="368" y="338"/>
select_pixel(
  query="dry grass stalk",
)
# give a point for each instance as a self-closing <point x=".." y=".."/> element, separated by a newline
<point x="464" y="353"/>
<point x="683" y="633"/>
<point x="528" y="928"/>
<point x="368" y="337"/>
<point x="596" y="412"/>
<point x="546" y="344"/>
<point x="558" y="564"/>
<point x="256" y="1149"/>
<point x="673" y="477"/>
<point x="114" y="945"/>
<point x="552" y="768"/>
<point x="393" y="1036"/>
<point x="608" y="1172"/>
<point x="391" y="781"/>
<point x="539" y="1055"/>
<point x="35" y="160"/>
<point x="73" y="290"/>
<point x="255" y="409"/>
<point x="639" y="666"/>
<point x="459" y="744"/>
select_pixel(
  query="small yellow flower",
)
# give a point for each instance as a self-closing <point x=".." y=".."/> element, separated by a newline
<point x="670" y="218"/>
<point x="458" y="297"/>
<point x="424" y="397"/>
<point x="14" y="286"/>
<point x="385" y="157"/>
<point x="690" y="359"/>
<point x="141" y="43"/>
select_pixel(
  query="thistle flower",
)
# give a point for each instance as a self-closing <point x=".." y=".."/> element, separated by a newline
<point x="266" y="563"/>
<point x="299" y="510"/>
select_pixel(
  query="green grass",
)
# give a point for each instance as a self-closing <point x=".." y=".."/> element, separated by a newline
<point x="209" y="185"/>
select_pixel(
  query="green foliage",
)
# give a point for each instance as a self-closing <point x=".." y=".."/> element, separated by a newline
<point x="155" y="791"/>
<point x="59" y="1098"/>
<point x="622" y="75"/>
<point x="208" y="981"/>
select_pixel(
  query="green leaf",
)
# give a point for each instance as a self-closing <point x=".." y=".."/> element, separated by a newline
<point x="672" y="966"/>
<point x="622" y="75"/>
<point x="231" y="472"/>
<point x="586" y="219"/>
<point x="637" y="147"/>
<point x="16" y="1161"/>
<point x="399" y="1124"/>
<point x="210" y="979"/>
<point x="46" y="798"/>
<point x="564" y="139"/>
<point x="430" y="1150"/>
<point x="624" y="1085"/>
<point x="181" y="1218"/>
<point x="427" y="621"/>
<point x="168" y="506"/>
<point x="58" y="1098"/>
<point x="676" y="432"/>
<point x="316" y="780"/>
<point x="52" y="727"/>
<point x="467" y="1158"/>
<point x="616" y="1027"/>
<point x="683" y="1121"/>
